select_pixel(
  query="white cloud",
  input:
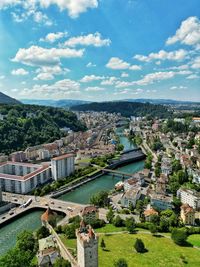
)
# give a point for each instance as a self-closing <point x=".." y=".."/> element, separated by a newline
<point x="178" y="87"/>
<point x="48" y="72"/>
<point x="74" y="7"/>
<point x="193" y="76"/>
<point x="94" y="89"/>
<point x="90" y="65"/>
<point x="163" y="55"/>
<point x="59" y="89"/>
<point x="188" y="33"/>
<point x="196" y="63"/>
<point x="88" y="40"/>
<point x="38" y="56"/>
<point x="152" y="78"/>
<point x="52" y="37"/>
<point x="20" y="71"/>
<point x="111" y="81"/>
<point x="44" y="76"/>
<point x="116" y="63"/>
<point x="124" y="75"/>
<point x="2" y="77"/>
<point x="90" y="78"/>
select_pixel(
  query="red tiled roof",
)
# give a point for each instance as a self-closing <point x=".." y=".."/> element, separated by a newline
<point x="64" y="156"/>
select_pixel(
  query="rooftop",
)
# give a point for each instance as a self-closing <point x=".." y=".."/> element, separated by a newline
<point x="63" y="157"/>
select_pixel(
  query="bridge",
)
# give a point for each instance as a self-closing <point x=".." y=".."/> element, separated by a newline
<point x="69" y="209"/>
<point x="117" y="173"/>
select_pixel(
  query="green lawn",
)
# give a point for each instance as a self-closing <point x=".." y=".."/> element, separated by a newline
<point x="194" y="240"/>
<point x="162" y="252"/>
<point x="69" y="243"/>
<point x="109" y="228"/>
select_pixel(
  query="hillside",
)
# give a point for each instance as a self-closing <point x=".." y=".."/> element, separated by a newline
<point x="64" y="103"/>
<point x="26" y="125"/>
<point x="126" y="109"/>
<point x="4" y="99"/>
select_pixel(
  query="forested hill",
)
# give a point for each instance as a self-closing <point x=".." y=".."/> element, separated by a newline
<point x="5" y="99"/>
<point x="126" y="109"/>
<point x="25" y="125"/>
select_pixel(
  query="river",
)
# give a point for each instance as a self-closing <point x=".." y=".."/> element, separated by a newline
<point x="31" y="221"/>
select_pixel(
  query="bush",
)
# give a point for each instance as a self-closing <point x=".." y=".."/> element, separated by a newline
<point x="120" y="263"/>
<point x="118" y="221"/>
<point x="139" y="246"/>
<point x="179" y="236"/>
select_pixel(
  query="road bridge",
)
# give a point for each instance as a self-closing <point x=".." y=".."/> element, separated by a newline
<point x="69" y="209"/>
<point x="117" y="173"/>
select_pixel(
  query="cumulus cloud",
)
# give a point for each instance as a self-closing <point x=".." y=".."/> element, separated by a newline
<point x="124" y="75"/>
<point x="178" y="87"/>
<point x="163" y="55"/>
<point x="94" y="89"/>
<point x="91" y="78"/>
<point x="74" y="8"/>
<point x="151" y="78"/>
<point x="90" y="65"/>
<point x="59" y="89"/>
<point x="188" y="33"/>
<point x="88" y="40"/>
<point x="110" y="81"/>
<point x="49" y="72"/>
<point x="195" y="64"/>
<point x="53" y="37"/>
<point x="39" y="56"/>
<point x="20" y="71"/>
<point x="193" y="76"/>
<point x="116" y="63"/>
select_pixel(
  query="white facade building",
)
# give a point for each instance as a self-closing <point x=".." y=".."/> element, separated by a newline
<point x="23" y="177"/>
<point x="190" y="197"/>
<point x="62" y="166"/>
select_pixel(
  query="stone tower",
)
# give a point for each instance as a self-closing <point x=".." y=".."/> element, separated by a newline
<point x="87" y="246"/>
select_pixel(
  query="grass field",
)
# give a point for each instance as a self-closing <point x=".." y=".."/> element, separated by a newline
<point x="162" y="252"/>
<point x="109" y="228"/>
<point x="194" y="240"/>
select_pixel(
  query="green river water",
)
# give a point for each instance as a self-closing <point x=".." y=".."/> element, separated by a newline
<point x="82" y="194"/>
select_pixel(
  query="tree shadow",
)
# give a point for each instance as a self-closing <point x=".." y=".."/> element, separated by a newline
<point x="106" y="250"/>
<point x="158" y="235"/>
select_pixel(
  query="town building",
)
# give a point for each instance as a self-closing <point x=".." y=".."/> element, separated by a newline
<point x="187" y="214"/>
<point x="148" y="213"/>
<point x="18" y="156"/>
<point x="89" y="213"/>
<point x="23" y="177"/>
<point x="190" y="197"/>
<point x="0" y="195"/>
<point x="161" y="202"/>
<point x="48" y="252"/>
<point x="130" y="197"/>
<point x="87" y="246"/>
<point x="62" y="166"/>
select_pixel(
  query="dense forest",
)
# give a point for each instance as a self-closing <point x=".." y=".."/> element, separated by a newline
<point x="127" y="109"/>
<point x="25" y="125"/>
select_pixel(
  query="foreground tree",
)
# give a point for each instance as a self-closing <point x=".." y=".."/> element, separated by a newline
<point x="139" y="246"/>
<point x="120" y="263"/>
<point x="110" y="215"/>
<point x="103" y="245"/>
<point x="179" y="237"/>
<point x="42" y="232"/>
<point x="60" y="262"/>
<point x="130" y="225"/>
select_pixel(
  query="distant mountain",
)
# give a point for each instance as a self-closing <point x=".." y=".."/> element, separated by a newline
<point x="67" y="103"/>
<point x="5" y="99"/>
<point x="161" y="101"/>
<point x="126" y="109"/>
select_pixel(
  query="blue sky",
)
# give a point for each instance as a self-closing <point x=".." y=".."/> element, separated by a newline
<point x="100" y="49"/>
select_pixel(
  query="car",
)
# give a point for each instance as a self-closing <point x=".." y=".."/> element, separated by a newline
<point x="11" y="213"/>
<point x="46" y="204"/>
<point x="52" y="203"/>
<point x="16" y="199"/>
<point x="3" y="218"/>
<point x="59" y="207"/>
